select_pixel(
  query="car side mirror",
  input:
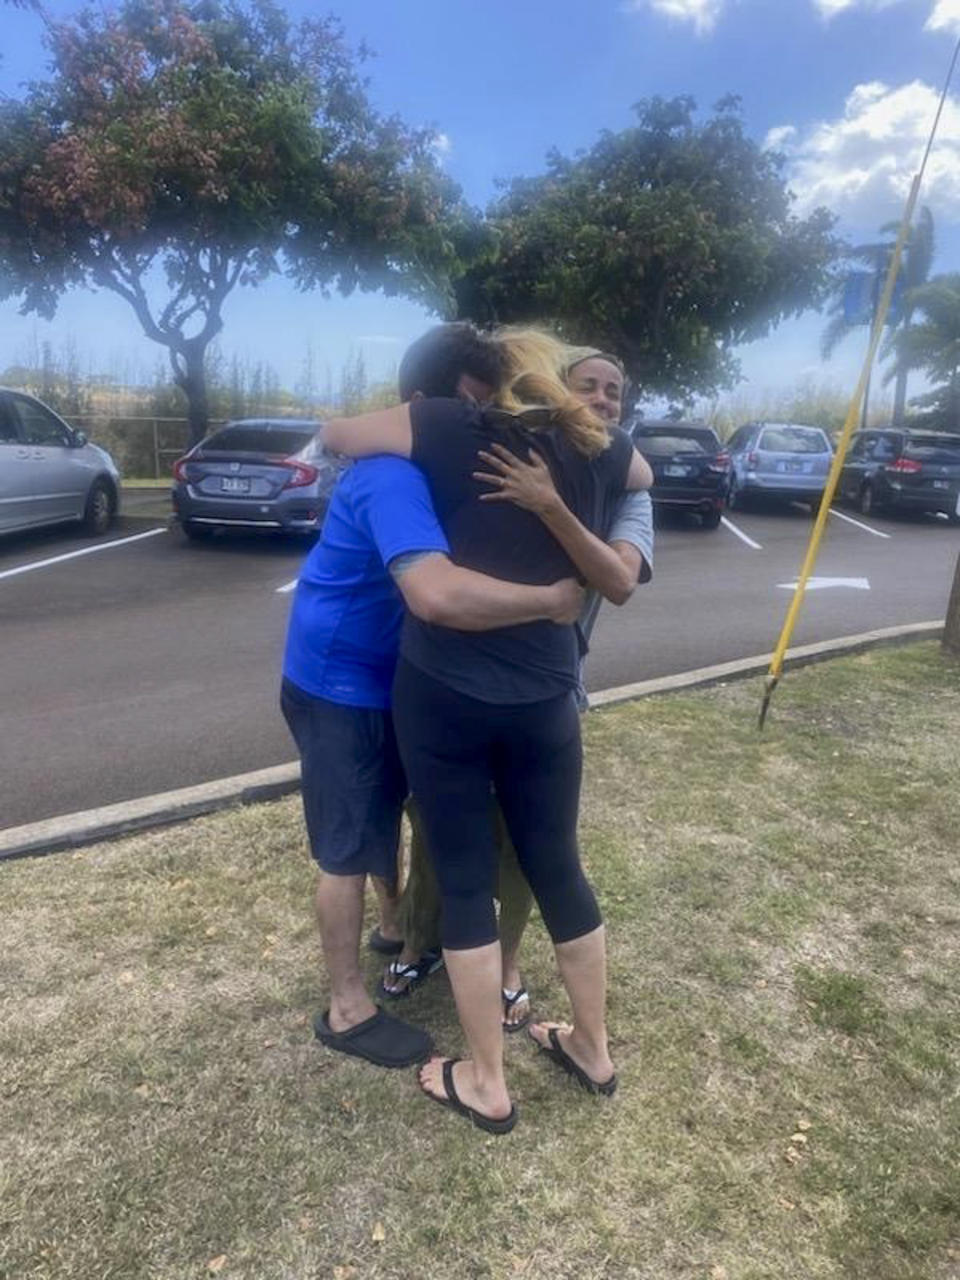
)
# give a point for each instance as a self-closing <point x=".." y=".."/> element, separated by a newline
<point x="79" y="439"/>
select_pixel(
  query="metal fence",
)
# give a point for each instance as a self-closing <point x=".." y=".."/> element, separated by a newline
<point x="143" y="448"/>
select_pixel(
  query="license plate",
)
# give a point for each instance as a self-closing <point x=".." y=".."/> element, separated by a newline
<point x="230" y="485"/>
<point x="791" y="466"/>
<point x="676" y="471"/>
<point x="941" y="484"/>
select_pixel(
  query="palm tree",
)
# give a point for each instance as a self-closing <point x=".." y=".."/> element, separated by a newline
<point x="914" y="271"/>
<point x="933" y="347"/>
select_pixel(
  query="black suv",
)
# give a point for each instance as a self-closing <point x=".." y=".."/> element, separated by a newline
<point x="903" y="469"/>
<point x="690" y="466"/>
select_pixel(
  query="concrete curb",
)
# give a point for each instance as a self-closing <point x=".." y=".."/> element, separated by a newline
<point x="73" y="830"/>
<point x="742" y="668"/>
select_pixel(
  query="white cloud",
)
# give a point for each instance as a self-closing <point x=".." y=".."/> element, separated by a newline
<point x="945" y="17"/>
<point x="829" y="8"/>
<point x="861" y="165"/>
<point x="703" y="14"/>
<point x="780" y="138"/>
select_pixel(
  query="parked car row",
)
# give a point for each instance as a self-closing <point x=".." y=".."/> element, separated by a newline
<point x="890" y="469"/>
<point x="270" y="473"/>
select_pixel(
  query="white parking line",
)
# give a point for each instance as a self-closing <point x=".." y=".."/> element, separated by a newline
<point x="850" y="520"/>
<point x="86" y="551"/>
<point x="740" y="534"/>
<point x="287" y="586"/>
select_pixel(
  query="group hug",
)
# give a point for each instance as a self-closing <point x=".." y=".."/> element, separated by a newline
<point x="434" y="663"/>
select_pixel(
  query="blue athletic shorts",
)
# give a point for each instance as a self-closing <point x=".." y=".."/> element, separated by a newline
<point x="352" y="782"/>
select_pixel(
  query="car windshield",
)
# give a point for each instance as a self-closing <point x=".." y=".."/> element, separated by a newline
<point x="934" y="448"/>
<point x="793" y="440"/>
<point x="246" y="438"/>
<point x="665" y="445"/>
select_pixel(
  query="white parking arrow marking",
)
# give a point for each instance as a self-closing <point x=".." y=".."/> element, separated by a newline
<point x="819" y="584"/>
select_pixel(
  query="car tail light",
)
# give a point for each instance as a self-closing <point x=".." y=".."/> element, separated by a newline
<point x="720" y="463"/>
<point x="180" y="469"/>
<point x="752" y="458"/>
<point x="906" y="466"/>
<point x="303" y="474"/>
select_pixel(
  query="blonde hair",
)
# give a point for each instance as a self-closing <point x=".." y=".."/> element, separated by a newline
<point x="534" y="389"/>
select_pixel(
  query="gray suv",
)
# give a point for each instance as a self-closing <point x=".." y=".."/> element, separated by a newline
<point x="49" y="473"/>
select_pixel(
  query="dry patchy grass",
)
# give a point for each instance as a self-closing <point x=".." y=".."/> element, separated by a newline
<point x="784" y="917"/>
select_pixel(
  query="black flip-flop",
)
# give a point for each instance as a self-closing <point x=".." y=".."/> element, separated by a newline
<point x="411" y="974"/>
<point x="510" y="998"/>
<point x="384" y="946"/>
<point x="382" y="1040"/>
<point x="556" y="1052"/>
<point x="453" y="1101"/>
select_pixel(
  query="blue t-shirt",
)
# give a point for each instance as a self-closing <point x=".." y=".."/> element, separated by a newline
<point x="344" y="630"/>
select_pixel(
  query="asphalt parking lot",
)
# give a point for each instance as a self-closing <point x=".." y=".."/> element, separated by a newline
<point x="137" y="663"/>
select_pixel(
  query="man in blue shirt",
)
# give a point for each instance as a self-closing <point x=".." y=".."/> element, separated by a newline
<point x="382" y="548"/>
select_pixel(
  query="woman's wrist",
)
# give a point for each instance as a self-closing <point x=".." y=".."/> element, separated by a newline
<point x="551" y="507"/>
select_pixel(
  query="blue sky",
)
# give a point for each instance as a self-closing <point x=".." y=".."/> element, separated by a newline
<point x="846" y="88"/>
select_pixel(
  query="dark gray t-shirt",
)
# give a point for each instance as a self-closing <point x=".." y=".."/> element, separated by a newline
<point x="539" y="660"/>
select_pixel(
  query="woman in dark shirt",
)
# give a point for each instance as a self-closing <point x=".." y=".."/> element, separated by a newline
<point x="472" y="712"/>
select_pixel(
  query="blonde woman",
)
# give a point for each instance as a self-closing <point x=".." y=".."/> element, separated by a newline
<point x="500" y="711"/>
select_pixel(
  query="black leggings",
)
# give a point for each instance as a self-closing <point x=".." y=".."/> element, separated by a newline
<point x="453" y="748"/>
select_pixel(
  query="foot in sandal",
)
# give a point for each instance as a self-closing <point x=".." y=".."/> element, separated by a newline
<point x="588" y="1064"/>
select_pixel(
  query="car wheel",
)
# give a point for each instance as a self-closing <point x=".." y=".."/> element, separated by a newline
<point x="196" y="532"/>
<point x="953" y="517"/>
<point x="711" y="519"/>
<point x="868" y="501"/>
<point x="99" y="511"/>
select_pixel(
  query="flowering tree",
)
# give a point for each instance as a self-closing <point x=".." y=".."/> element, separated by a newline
<point x="669" y="242"/>
<point x="182" y="148"/>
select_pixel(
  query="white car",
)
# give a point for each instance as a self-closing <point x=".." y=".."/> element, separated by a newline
<point x="49" y="473"/>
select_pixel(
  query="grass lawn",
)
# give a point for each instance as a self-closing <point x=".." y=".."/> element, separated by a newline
<point x="784" y="918"/>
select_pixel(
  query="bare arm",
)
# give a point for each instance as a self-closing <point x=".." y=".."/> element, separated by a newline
<point x="436" y="590"/>
<point x="611" y="570"/>
<point x="384" y="431"/>
<point x="640" y="475"/>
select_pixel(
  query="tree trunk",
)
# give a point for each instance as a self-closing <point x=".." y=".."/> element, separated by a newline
<point x="900" y="398"/>
<point x="190" y="375"/>
<point x="951" y="630"/>
<point x="903" y="372"/>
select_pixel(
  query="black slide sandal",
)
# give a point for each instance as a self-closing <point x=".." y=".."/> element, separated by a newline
<point x="556" y="1052"/>
<point x="452" y="1100"/>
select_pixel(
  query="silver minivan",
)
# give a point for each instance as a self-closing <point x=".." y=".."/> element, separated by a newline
<point x="49" y="473"/>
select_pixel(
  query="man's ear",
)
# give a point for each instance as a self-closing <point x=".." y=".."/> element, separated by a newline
<point x="470" y="388"/>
